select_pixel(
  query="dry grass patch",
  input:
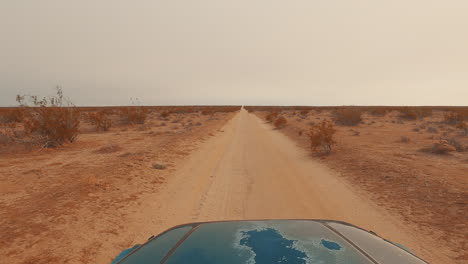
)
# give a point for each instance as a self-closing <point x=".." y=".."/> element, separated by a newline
<point x="133" y="115"/>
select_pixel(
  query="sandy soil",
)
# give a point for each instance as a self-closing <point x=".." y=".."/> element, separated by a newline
<point x="427" y="191"/>
<point x="73" y="204"/>
<point x="84" y="204"/>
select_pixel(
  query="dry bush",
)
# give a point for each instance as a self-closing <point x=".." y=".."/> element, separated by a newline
<point x="271" y="116"/>
<point x="459" y="147"/>
<point x="304" y="113"/>
<point x="412" y="113"/>
<point x="348" y="117"/>
<point x="463" y="127"/>
<point x="100" y="120"/>
<point x="404" y="139"/>
<point x="444" y="146"/>
<point x="12" y="115"/>
<point x="48" y="121"/>
<point x="321" y="136"/>
<point x="408" y="114"/>
<point x="432" y="130"/>
<point x="164" y="114"/>
<point x="378" y="112"/>
<point x="133" y="115"/>
<point x="453" y="118"/>
<point x="158" y="166"/>
<point x="207" y="112"/>
<point x="280" y="122"/>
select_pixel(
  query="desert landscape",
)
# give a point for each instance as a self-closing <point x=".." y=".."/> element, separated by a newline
<point x="128" y="123"/>
<point x="400" y="172"/>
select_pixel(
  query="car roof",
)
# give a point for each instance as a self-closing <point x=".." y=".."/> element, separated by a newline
<point x="269" y="241"/>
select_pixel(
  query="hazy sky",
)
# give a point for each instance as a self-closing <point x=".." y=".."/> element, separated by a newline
<point x="307" y="52"/>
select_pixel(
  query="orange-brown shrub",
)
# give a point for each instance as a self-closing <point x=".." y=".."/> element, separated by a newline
<point x="207" y="112"/>
<point x="49" y="121"/>
<point x="378" y="111"/>
<point x="100" y="120"/>
<point x="461" y="125"/>
<point x="280" y="122"/>
<point x="412" y="113"/>
<point x="453" y="118"/>
<point x="133" y="115"/>
<point x="321" y="136"/>
<point x="12" y="115"/>
<point x="348" y="117"/>
<point x="271" y="116"/>
<point x="164" y="114"/>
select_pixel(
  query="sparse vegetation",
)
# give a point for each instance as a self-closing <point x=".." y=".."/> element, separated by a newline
<point x="404" y="139"/>
<point x="100" y="120"/>
<point x="348" y="117"/>
<point x="158" y="166"/>
<point x="432" y="130"/>
<point x="453" y="118"/>
<point x="164" y="114"/>
<point x="48" y="120"/>
<point x="133" y="115"/>
<point x="304" y="113"/>
<point x="445" y="145"/>
<point x="321" y="136"/>
<point x="413" y="113"/>
<point x="280" y="122"/>
<point x="271" y="117"/>
<point x="14" y="115"/>
<point x="459" y="147"/>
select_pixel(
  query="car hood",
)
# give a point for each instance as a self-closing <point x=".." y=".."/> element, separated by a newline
<point x="269" y="241"/>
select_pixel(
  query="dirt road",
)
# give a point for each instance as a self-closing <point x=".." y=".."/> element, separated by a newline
<point x="251" y="171"/>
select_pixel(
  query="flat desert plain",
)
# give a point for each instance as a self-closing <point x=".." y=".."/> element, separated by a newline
<point x="84" y="202"/>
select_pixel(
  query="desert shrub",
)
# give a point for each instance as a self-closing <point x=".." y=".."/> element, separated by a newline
<point x="4" y="139"/>
<point x="408" y="114"/>
<point x="348" y="117"/>
<point x="453" y="118"/>
<point x="321" y="136"/>
<point x="12" y="115"/>
<point x="49" y="121"/>
<point x="463" y="128"/>
<point x="207" y="112"/>
<point x="432" y="130"/>
<point x="411" y="113"/>
<point x="461" y="125"/>
<point x="304" y="113"/>
<point x="164" y="114"/>
<point x="459" y="147"/>
<point x="271" y="116"/>
<point x="133" y="115"/>
<point x="158" y="166"/>
<point x="100" y="120"/>
<point x="404" y="139"/>
<point x="280" y="122"/>
<point x="378" y="111"/>
<point x="440" y="148"/>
